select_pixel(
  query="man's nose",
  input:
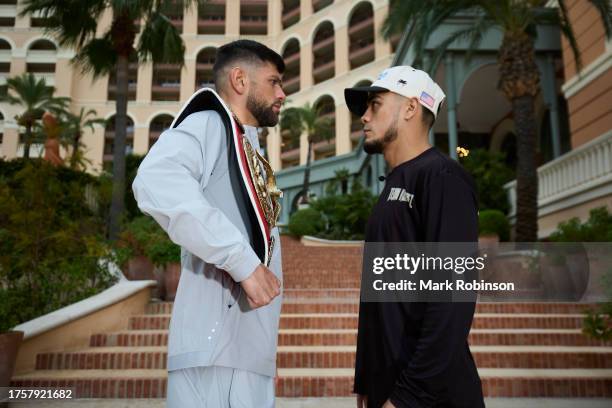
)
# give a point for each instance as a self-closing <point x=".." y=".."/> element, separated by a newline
<point x="365" y="117"/>
<point x="281" y="95"/>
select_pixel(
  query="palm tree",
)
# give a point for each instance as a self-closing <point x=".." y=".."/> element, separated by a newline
<point x="72" y="132"/>
<point x="296" y="120"/>
<point x="35" y="97"/>
<point x="75" y="23"/>
<point x="519" y="75"/>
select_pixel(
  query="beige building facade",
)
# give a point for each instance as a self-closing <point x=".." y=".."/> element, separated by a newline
<point x="327" y="46"/>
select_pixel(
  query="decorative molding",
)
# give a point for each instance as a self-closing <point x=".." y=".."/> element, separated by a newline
<point x="596" y="68"/>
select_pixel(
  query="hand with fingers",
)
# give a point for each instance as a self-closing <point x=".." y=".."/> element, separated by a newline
<point x="261" y="287"/>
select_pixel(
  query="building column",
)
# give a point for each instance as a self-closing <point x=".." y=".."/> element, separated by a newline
<point x="451" y="104"/>
<point x="188" y="78"/>
<point x="18" y="66"/>
<point x="341" y="51"/>
<point x="275" y="9"/>
<point x="343" y="130"/>
<point x="550" y="97"/>
<point x="141" y="139"/>
<point x="305" y="9"/>
<point x="63" y="77"/>
<point x="382" y="47"/>
<point x="10" y="140"/>
<point x="232" y="18"/>
<point x="273" y="147"/>
<point x="305" y="66"/>
<point x="190" y="20"/>
<point x="145" y="81"/>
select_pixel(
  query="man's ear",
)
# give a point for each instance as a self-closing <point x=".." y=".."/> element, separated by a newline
<point x="238" y="80"/>
<point x="410" y="108"/>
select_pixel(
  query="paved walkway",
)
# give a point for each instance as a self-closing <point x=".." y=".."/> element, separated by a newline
<point x="319" y="403"/>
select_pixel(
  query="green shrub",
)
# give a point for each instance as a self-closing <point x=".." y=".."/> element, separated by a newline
<point x="307" y="221"/>
<point x="490" y="173"/>
<point x="52" y="247"/>
<point x="143" y="236"/>
<point x="346" y="215"/>
<point x="493" y="222"/>
<point x="598" y="228"/>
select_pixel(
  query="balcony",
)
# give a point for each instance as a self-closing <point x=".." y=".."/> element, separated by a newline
<point x="253" y="24"/>
<point x="578" y="176"/>
<point x="291" y="17"/>
<point x="364" y="26"/>
<point x="290" y="155"/>
<point x="323" y="71"/>
<point x="166" y="91"/>
<point x="319" y="4"/>
<point x="292" y="60"/>
<point x="361" y="55"/>
<point x="211" y="25"/>
<point x="291" y="85"/>
<point x="323" y="45"/>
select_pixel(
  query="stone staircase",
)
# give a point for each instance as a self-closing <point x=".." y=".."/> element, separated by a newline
<point x="521" y="350"/>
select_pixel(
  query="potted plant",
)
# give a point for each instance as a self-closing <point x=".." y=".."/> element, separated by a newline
<point x="166" y="255"/>
<point x="493" y="226"/>
<point x="10" y="340"/>
<point x="133" y="240"/>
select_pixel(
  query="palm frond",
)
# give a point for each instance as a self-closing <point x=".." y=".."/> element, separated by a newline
<point x="160" y="41"/>
<point x="568" y="31"/>
<point x="97" y="57"/>
<point x="604" y="7"/>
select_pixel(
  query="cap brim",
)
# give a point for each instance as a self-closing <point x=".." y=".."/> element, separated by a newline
<point x="357" y="98"/>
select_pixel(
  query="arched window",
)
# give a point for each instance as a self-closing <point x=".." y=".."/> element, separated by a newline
<point x="323" y="53"/>
<point x="157" y="126"/>
<point x="291" y="56"/>
<point x="204" y="68"/>
<point x="361" y="35"/>
<point x="109" y="138"/>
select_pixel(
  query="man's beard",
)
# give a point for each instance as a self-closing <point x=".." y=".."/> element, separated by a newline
<point x="263" y="113"/>
<point x="377" y="146"/>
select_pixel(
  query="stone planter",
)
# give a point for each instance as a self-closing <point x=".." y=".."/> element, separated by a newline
<point x="140" y="268"/>
<point x="172" y="275"/>
<point x="9" y="346"/>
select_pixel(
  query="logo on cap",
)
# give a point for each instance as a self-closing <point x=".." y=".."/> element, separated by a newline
<point x="427" y="99"/>
<point x="383" y="74"/>
<point x="402" y="82"/>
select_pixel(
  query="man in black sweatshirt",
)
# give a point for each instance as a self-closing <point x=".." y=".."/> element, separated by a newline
<point x="414" y="354"/>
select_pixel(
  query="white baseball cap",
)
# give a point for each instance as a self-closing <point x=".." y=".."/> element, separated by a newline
<point x="403" y="80"/>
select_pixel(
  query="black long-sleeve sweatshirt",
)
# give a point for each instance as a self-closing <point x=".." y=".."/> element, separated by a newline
<point x="414" y="353"/>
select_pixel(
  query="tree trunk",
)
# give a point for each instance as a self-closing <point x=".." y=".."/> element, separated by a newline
<point x="75" y="150"/>
<point x="526" y="172"/>
<point x="27" y="140"/>
<point x="519" y="80"/>
<point x="118" y="197"/>
<point x="306" y="185"/>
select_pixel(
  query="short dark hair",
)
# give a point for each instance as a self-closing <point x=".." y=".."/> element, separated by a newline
<point x="244" y="50"/>
<point x="428" y="118"/>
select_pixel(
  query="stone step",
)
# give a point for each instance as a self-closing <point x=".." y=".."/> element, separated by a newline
<point x="574" y="383"/>
<point x="119" y="358"/>
<point x="349" y="321"/>
<point x="329" y="337"/>
<point x="326" y="382"/>
<point x="316" y="305"/>
<point x="324" y="293"/>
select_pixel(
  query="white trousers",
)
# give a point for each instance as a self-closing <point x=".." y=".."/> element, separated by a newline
<point x="219" y="387"/>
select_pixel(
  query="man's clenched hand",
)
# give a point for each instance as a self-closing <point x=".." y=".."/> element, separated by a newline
<point x="261" y="287"/>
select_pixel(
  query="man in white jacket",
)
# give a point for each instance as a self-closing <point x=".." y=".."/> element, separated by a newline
<point x="207" y="185"/>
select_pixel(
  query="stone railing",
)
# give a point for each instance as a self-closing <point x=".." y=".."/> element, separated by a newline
<point x="580" y="175"/>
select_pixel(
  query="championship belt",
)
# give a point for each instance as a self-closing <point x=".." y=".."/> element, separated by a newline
<point x="264" y="183"/>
